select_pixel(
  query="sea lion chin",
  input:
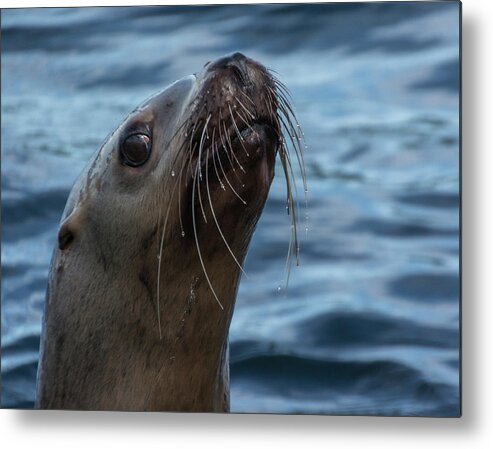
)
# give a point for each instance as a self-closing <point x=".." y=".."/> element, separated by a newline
<point x="144" y="277"/>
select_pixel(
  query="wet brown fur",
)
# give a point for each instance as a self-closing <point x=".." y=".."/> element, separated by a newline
<point x="101" y="348"/>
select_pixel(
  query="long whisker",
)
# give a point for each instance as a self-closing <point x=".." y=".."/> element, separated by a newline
<point x="179" y="198"/>
<point x="231" y="149"/>
<point x="223" y="143"/>
<point x="214" y="215"/>
<point x="161" y="245"/>
<point x="240" y="137"/>
<point x="227" y="180"/>
<point x="248" y="98"/>
<point x="231" y="165"/>
<point x="213" y="145"/>
<point x="293" y="134"/>
<point x="197" y="239"/>
<point x="244" y="107"/>
<point x="199" y="165"/>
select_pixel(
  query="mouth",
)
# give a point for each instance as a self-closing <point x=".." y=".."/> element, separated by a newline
<point x="243" y="147"/>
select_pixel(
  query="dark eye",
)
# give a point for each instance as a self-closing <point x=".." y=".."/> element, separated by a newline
<point x="135" y="150"/>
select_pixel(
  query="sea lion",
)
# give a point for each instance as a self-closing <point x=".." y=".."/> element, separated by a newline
<point x="143" y="282"/>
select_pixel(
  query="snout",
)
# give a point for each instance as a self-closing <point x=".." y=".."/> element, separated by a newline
<point x="245" y="71"/>
<point x="237" y="63"/>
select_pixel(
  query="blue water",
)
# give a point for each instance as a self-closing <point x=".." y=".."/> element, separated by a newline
<point x="370" y="322"/>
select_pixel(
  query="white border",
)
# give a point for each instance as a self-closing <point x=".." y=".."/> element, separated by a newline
<point x="85" y="430"/>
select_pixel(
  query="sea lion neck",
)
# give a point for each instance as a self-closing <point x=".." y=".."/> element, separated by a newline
<point x="131" y="366"/>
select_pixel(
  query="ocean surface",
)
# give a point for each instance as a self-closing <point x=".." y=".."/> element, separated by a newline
<point x="370" y="321"/>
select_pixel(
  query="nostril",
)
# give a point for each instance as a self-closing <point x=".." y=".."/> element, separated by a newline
<point x="240" y="72"/>
<point x="239" y="61"/>
<point x="236" y="62"/>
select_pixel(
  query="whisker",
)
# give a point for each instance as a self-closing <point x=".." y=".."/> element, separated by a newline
<point x="214" y="215"/>
<point x="240" y="137"/>
<point x="161" y="245"/>
<point x="199" y="165"/>
<point x="244" y="107"/>
<point x="214" y="159"/>
<point x="221" y="137"/>
<point x="244" y="120"/>
<point x="227" y="181"/>
<point x="197" y="241"/>
<point x="231" y="149"/>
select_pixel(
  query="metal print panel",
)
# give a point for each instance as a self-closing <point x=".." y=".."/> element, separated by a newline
<point x="276" y="230"/>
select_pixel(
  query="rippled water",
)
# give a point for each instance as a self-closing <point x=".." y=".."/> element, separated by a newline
<point x="370" y="322"/>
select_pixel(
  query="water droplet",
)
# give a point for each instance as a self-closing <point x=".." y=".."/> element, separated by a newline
<point x="244" y="202"/>
<point x="183" y="233"/>
<point x="173" y="173"/>
<point x="279" y="288"/>
<point x="222" y="186"/>
<point x="158" y="257"/>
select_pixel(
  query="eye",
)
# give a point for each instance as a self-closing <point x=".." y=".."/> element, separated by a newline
<point x="135" y="150"/>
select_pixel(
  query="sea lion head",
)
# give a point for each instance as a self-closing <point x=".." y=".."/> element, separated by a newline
<point x="153" y="237"/>
<point x="187" y="171"/>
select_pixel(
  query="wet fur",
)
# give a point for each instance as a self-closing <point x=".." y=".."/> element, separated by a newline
<point x="100" y="346"/>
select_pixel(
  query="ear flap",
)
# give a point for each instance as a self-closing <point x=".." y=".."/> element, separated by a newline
<point x="70" y="228"/>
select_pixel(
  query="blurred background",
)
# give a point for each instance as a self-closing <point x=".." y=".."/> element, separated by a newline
<point x="370" y="321"/>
